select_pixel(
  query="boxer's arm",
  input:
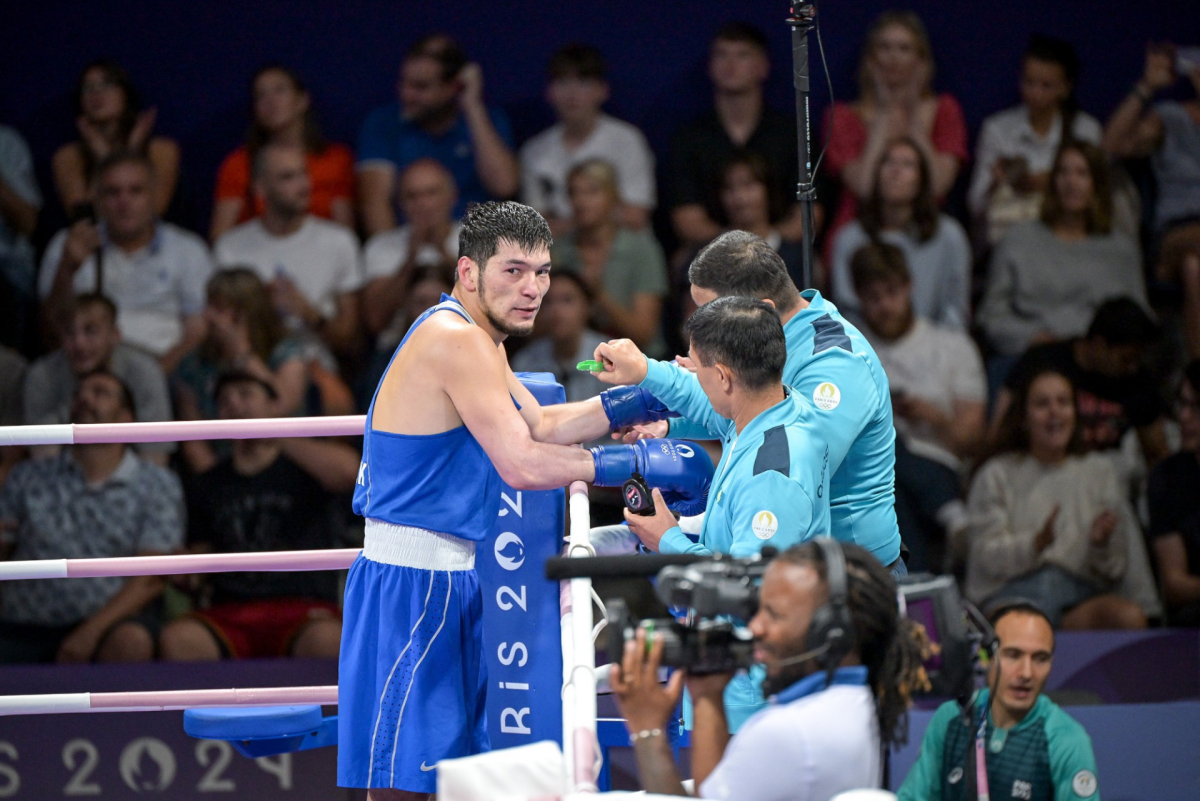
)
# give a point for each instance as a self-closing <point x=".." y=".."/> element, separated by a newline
<point x="561" y="423"/>
<point x="475" y="377"/>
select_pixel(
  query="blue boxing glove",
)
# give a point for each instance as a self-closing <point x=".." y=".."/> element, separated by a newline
<point x="682" y="471"/>
<point x="632" y="406"/>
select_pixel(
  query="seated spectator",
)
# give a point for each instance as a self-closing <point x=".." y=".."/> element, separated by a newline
<point x="1047" y="277"/>
<point x="1169" y="133"/>
<point x="1017" y="146"/>
<point x="152" y="270"/>
<point x="750" y="203"/>
<point x="939" y="396"/>
<point x="440" y="115"/>
<point x="901" y="211"/>
<point x="564" y="339"/>
<point x="428" y="238"/>
<point x="895" y="99"/>
<point x="90" y="342"/>
<point x="421" y="288"/>
<point x="110" y="121"/>
<point x="20" y="202"/>
<point x="1047" y="523"/>
<point x="738" y="64"/>
<point x="311" y="265"/>
<point x="1175" y="510"/>
<point x="268" y="495"/>
<point x="244" y="333"/>
<point x="577" y="90"/>
<point x="283" y="114"/>
<point x="625" y="270"/>
<point x="12" y="381"/>
<point x="93" y="501"/>
<point x="1113" y="390"/>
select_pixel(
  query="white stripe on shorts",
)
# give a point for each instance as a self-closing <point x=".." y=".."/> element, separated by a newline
<point x="407" y="546"/>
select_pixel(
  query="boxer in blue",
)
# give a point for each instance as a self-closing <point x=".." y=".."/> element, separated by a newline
<point x="448" y="423"/>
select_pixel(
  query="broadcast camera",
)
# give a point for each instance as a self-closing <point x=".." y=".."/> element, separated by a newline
<point x="700" y="606"/>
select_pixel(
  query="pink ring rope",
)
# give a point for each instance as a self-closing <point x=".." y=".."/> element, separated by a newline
<point x="270" y="561"/>
<point x="179" y="431"/>
<point x="60" y="703"/>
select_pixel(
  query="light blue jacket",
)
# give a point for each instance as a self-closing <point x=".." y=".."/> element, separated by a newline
<point x="830" y="364"/>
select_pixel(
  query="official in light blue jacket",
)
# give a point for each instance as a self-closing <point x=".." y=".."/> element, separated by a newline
<point x="831" y="364"/>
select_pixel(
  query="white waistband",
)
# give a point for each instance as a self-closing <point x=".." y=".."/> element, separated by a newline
<point x="406" y="546"/>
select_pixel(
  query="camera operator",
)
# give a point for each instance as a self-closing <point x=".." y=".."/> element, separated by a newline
<point x="841" y="665"/>
<point x="1032" y="748"/>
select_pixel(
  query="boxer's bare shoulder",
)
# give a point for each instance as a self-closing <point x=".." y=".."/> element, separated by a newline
<point x="443" y="352"/>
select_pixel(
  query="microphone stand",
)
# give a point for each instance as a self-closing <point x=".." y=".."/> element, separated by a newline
<point x="802" y="20"/>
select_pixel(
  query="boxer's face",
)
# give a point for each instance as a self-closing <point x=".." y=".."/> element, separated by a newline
<point x="512" y="285"/>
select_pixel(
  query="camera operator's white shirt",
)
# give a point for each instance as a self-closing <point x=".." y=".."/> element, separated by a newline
<point x="812" y="742"/>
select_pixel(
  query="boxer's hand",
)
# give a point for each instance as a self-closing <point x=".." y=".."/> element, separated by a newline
<point x="682" y="471"/>
<point x="631" y="406"/>
<point x="624" y="363"/>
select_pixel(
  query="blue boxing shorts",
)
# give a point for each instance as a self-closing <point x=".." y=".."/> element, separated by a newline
<point x="412" y="680"/>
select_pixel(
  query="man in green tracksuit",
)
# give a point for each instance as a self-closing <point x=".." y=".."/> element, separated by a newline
<point x="1033" y="750"/>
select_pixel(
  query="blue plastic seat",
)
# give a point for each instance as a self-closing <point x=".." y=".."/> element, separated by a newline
<point x="263" y="731"/>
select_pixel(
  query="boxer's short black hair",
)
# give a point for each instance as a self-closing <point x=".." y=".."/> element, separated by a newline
<point x="486" y="224"/>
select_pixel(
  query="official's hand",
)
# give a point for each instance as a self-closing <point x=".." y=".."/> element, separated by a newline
<point x="644" y="703"/>
<point x="1045" y="537"/>
<point x="624" y="362"/>
<point x="650" y="529"/>
<point x="80" y="644"/>
<point x="1103" y="527"/>
<point x="686" y="363"/>
<point x="631" y="434"/>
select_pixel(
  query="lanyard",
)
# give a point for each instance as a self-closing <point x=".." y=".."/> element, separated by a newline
<point x="981" y="778"/>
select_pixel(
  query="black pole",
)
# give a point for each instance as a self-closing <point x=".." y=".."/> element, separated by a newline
<point x="802" y="19"/>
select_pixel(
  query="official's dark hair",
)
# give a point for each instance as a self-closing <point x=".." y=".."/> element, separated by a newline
<point x="761" y="172"/>
<point x="745" y="335"/>
<point x="1012" y="433"/>
<point x="1121" y="321"/>
<point x="925" y="212"/>
<point x="449" y="56"/>
<point x="1100" y="212"/>
<point x="739" y="31"/>
<point x="1001" y="609"/>
<point x="486" y="224"/>
<point x="577" y="60"/>
<point x="97" y="300"/>
<point x="878" y="262"/>
<point x="742" y="264"/>
<point x="257" y="136"/>
<point x="891" y="647"/>
<point x="127" y="402"/>
<point x="115" y="74"/>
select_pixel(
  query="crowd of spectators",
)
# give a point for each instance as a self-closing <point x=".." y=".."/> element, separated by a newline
<point x="1041" y="347"/>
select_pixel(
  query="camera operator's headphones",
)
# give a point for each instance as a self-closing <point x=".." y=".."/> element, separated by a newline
<point x="831" y="631"/>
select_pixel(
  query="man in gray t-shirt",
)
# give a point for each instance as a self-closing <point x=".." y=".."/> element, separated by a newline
<point x="91" y="501"/>
<point x="92" y="340"/>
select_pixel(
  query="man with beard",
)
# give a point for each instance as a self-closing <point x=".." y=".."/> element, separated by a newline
<point x="1034" y="750"/>
<point x="440" y="115"/>
<point x="841" y="665"/>
<point x="92" y="501"/>
<point x="449" y="422"/>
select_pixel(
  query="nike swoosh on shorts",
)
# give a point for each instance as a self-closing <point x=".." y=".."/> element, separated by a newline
<point x="427" y="769"/>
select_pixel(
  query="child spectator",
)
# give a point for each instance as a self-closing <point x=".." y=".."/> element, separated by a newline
<point x="283" y="114"/>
